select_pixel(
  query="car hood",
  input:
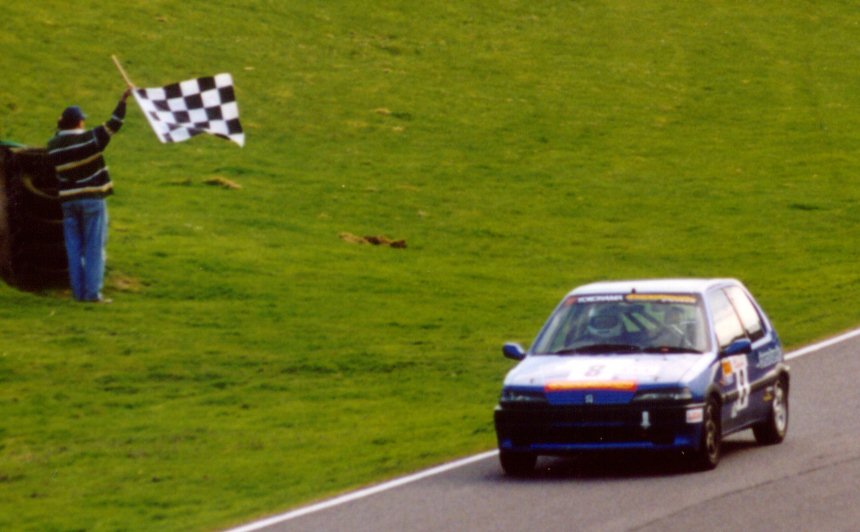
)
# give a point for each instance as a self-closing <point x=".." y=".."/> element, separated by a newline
<point x="601" y="370"/>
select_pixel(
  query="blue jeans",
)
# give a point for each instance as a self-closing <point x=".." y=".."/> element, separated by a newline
<point x="85" y="228"/>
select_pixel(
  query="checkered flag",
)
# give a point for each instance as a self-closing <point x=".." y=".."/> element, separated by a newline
<point x="182" y="110"/>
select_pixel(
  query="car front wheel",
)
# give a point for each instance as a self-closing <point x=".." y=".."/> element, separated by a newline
<point x="708" y="455"/>
<point x="517" y="464"/>
<point x="774" y="428"/>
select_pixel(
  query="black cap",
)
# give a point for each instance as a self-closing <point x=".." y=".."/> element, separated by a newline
<point x="70" y="118"/>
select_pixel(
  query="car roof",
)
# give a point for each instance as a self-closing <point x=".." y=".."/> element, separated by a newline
<point x="672" y="286"/>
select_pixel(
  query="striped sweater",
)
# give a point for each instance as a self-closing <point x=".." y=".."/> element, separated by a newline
<point x="76" y="154"/>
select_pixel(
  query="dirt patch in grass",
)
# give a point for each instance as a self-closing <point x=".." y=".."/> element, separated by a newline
<point x="376" y="240"/>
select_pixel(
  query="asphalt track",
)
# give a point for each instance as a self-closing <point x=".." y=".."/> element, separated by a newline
<point x="809" y="482"/>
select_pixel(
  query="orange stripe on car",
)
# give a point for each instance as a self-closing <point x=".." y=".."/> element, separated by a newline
<point x="565" y="386"/>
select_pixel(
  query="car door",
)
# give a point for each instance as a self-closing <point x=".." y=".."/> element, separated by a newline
<point x="766" y="351"/>
<point x="733" y="375"/>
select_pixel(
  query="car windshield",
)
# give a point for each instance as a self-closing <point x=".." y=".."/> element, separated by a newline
<point x="625" y="323"/>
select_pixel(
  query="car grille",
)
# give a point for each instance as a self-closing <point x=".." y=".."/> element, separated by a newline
<point x="588" y="425"/>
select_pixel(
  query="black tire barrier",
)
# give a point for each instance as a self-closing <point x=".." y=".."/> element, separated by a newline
<point x="32" y="247"/>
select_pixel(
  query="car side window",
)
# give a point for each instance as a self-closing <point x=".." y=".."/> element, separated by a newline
<point x="727" y="325"/>
<point x="750" y="318"/>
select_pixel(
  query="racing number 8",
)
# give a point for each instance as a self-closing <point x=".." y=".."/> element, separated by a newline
<point x="737" y="367"/>
<point x="594" y="371"/>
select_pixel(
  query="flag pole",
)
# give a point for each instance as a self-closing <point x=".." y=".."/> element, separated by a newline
<point x="121" y="71"/>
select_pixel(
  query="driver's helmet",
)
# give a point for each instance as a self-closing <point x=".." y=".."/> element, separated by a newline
<point x="605" y="323"/>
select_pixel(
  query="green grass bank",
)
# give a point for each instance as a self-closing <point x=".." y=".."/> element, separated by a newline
<point x="253" y="360"/>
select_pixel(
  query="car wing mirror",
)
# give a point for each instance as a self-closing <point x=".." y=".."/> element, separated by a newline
<point x="514" y="351"/>
<point x="738" y="347"/>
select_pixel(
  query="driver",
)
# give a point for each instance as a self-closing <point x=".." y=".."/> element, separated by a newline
<point x="605" y="324"/>
<point x="671" y="333"/>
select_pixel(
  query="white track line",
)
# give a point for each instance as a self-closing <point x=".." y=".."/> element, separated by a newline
<point x="360" y="494"/>
<point x="396" y="483"/>
<point x="822" y="345"/>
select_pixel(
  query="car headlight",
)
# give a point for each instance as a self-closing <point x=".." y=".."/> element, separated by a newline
<point x="671" y="394"/>
<point x="522" y="396"/>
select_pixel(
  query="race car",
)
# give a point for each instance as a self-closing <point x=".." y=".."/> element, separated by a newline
<point x="657" y="365"/>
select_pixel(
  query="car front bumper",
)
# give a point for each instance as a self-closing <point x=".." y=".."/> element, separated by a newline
<point x="546" y="429"/>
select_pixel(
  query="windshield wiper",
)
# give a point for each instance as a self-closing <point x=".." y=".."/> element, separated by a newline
<point x="670" y="349"/>
<point x="599" y="348"/>
<point x="565" y="351"/>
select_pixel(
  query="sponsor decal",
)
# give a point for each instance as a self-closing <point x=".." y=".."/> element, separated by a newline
<point x="596" y="299"/>
<point x="663" y="298"/>
<point x="684" y="299"/>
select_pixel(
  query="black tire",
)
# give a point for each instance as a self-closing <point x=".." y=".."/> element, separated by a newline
<point x="517" y="464"/>
<point x="707" y="456"/>
<point x="773" y="430"/>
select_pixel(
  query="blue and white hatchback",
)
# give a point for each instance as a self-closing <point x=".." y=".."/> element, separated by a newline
<point x="662" y="365"/>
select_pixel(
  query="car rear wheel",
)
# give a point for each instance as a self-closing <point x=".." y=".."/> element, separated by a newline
<point x="708" y="455"/>
<point x="517" y="464"/>
<point x="773" y="430"/>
